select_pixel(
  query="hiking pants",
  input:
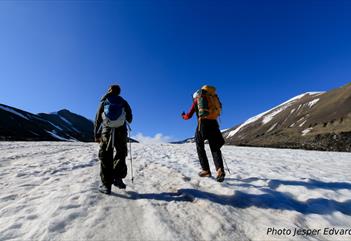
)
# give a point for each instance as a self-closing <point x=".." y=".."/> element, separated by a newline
<point x="209" y="130"/>
<point x="113" y="167"/>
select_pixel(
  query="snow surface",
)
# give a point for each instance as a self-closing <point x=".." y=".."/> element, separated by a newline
<point x="13" y="112"/>
<point x="49" y="192"/>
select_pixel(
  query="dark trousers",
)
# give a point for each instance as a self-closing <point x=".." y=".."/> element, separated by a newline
<point x="113" y="167"/>
<point x="209" y="130"/>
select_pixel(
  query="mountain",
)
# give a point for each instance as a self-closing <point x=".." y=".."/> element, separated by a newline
<point x="314" y="120"/>
<point x="19" y="125"/>
<point x="75" y="126"/>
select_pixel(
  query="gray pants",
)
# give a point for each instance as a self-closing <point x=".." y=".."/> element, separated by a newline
<point x="113" y="167"/>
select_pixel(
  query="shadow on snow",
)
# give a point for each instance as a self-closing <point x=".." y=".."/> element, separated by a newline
<point x="269" y="199"/>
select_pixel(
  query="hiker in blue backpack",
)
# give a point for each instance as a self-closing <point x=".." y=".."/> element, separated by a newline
<point x="111" y="132"/>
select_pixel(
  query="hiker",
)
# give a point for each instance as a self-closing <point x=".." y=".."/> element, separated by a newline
<point x="111" y="132"/>
<point x="207" y="106"/>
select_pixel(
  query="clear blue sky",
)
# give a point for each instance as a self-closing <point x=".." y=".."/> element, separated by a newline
<point x="65" y="54"/>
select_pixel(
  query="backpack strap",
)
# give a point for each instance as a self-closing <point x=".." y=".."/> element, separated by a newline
<point x="111" y="139"/>
<point x="199" y="124"/>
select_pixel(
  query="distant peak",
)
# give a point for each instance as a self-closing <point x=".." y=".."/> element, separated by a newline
<point x="63" y="111"/>
<point x="315" y="93"/>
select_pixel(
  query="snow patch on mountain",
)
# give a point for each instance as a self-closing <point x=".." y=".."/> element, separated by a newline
<point x="251" y="120"/>
<point x="303" y="123"/>
<point x="56" y="126"/>
<point x="272" y="127"/>
<point x="54" y="134"/>
<point x="65" y="120"/>
<point x="306" y="131"/>
<point x="71" y="126"/>
<point x="270" y="114"/>
<point x="298" y="97"/>
<point x="313" y="102"/>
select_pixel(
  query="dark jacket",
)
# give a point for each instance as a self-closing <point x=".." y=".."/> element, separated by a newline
<point x="98" y="118"/>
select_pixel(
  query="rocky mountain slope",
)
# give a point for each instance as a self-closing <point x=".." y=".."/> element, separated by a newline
<point x="317" y="120"/>
<point x="74" y="125"/>
<point x="19" y="125"/>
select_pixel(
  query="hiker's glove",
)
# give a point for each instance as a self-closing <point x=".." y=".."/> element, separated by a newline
<point x="185" y="116"/>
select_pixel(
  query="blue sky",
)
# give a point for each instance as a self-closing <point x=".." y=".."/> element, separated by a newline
<point x="65" y="54"/>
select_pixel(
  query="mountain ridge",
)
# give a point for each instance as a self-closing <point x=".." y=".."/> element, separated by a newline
<point x="20" y="125"/>
<point x="313" y="120"/>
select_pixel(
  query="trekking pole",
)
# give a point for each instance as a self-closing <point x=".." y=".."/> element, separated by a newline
<point x="225" y="163"/>
<point x="130" y="151"/>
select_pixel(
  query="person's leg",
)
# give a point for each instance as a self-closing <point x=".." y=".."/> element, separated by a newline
<point x="201" y="152"/>
<point x="216" y="154"/>
<point x="216" y="141"/>
<point x="119" y="163"/>
<point x="106" y="161"/>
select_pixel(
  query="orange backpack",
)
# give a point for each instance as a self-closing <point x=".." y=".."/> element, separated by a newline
<point x="208" y="103"/>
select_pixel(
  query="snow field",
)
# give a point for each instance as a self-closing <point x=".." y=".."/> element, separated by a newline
<point x="48" y="191"/>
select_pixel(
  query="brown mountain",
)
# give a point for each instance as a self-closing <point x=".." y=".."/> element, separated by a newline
<point x="317" y="121"/>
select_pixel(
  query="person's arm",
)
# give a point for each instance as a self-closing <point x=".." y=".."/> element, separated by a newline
<point x="98" y="121"/>
<point x="128" y="110"/>
<point x="191" y="112"/>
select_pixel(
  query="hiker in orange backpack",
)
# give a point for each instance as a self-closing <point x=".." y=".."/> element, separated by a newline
<point x="208" y="107"/>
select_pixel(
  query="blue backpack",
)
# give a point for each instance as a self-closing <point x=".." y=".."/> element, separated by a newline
<point x="114" y="115"/>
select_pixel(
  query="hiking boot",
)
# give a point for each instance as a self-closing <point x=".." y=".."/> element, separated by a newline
<point x="119" y="183"/>
<point x="104" y="189"/>
<point x="220" y="175"/>
<point x="205" y="173"/>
